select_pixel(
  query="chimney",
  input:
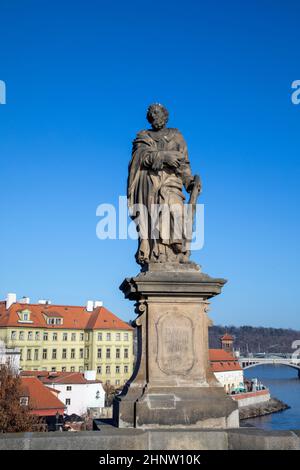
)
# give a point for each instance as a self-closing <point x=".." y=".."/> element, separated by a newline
<point x="24" y="300"/>
<point x="89" y="306"/>
<point x="44" y="302"/>
<point x="98" y="303"/>
<point x="90" y="375"/>
<point x="10" y="299"/>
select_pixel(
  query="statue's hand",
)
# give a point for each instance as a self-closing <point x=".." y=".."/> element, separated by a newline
<point x="173" y="158"/>
<point x="195" y="181"/>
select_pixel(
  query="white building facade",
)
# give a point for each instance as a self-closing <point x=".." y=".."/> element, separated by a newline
<point x="10" y="357"/>
<point x="230" y="379"/>
<point x="79" y="393"/>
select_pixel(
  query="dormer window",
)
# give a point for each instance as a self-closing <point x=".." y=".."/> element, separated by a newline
<point x="24" y="401"/>
<point x="53" y="318"/>
<point x="24" y="316"/>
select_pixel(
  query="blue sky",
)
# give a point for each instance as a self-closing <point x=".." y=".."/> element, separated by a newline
<point x="79" y="78"/>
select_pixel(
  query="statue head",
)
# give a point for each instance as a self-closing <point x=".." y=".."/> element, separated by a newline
<point x="157" y="116"/>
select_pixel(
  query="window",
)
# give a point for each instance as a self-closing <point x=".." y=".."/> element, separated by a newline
<point x="87" y="353"/>
<point x="118" y="336"/>
<point x="53" y="369"/>
<point x="99" y="370"/>
<point x="99" y="353"/>
<point x="24" y="316"/>
<point x="21" y="354"/>
<point x="117" y="382"/>
<point x="126" y="369"/>
<point x="126" y="336"/>
<point x="126" y="353"/>
<point x="108" y="382"/>
<point x="72" y="369"/>
<point x="30" y="336"/>
<point x="68" y="401"/>
<point x="64" y="369"/>
<point x="54" y="337"/>
<point x="99" y="336"/>
<point x="36" y="354"/>
<point x="80" y="369"/>
<point x="13" y="335"/>
<point x="73" y="337"/>
<point x="72" y="353"/>
<point x="118" y="353"/>
<point x="28" y="354"/>
<point x="69" y="388"/>
<point x="107" y="353"/>
<point x="117" y="369"/>
<point x="64" y="354"/>
<point x="37" y="335"/>
<point x="107" y="370"/>
<point x="108" y="336"/>
<point x="44" y="353"/>
<point x="87" y="336"/>
<point x="54" y="321"/>
<point x="24" y="401"/>
<point x="45" y="336"/>
<point x="65" y="336"/>
<point x="21" y="336"/>
<point x="81" y="336"/>
<point x="54" y="353"/>
<point x="81" y="353"/>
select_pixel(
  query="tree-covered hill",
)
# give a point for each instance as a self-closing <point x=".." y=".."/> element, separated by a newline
<point x="256" y="339"/>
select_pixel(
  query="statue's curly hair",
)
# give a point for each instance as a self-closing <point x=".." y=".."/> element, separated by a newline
<point x="152" y="107"/>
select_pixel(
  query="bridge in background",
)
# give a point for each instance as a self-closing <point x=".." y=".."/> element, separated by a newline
<point x="252" y="361"/>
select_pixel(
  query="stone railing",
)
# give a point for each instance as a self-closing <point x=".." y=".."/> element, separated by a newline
<point x="110" y="438"/>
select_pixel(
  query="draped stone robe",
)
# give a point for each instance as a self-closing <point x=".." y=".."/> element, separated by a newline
<point x="160" y="186"/>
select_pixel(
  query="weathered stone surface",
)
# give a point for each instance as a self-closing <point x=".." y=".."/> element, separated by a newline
<point x="258" y="439"/>
<point x="173" y="384"/>
<point x="110" y="438"/>
<point x="189" y="439"/>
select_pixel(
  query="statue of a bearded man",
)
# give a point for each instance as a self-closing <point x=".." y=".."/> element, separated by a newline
<point x="158" y="172"/>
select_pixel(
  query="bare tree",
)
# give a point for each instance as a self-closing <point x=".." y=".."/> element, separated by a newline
<point x="15" y="417"/>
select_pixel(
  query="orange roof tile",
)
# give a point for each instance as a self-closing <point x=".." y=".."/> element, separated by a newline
<point x="74" y="317"/>
<point x="221" y="360"/>
<point x="227" y="337"/>
<point x="41" y="398"/>
<point x="225" y="366"/>
<point x="220" y="355"/>
<point x="58" y="377"/>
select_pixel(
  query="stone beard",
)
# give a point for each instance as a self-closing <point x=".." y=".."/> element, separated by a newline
<point x="158" y="171"/>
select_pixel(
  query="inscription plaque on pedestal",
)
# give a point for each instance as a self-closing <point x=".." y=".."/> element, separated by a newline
<point x="175" y="351"/>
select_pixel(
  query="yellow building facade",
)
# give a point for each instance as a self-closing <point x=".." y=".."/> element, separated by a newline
<point x="69" y="338"/>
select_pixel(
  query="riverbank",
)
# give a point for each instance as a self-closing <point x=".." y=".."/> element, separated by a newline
<point x="261" y="409"/>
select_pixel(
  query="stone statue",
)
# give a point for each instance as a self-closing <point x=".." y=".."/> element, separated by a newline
<point x="158" y="172"/>
<point x="173" y="384"/>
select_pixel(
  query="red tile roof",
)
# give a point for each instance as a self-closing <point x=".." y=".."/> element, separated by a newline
<point x="220" y="355"/>
<point x="221" y="360"/>
<point x="42" y="400"/>
<point x="58" y="377"/>
<point x="74" y="317"/>
<point x="227" y="337"/>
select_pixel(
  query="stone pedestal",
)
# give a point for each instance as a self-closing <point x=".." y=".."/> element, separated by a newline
<point x="172" y="384"/>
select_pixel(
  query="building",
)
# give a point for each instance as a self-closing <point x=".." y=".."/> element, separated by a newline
<point x="227" y="342"/>
<point x="226" y="369"/>
<point x="79" y="392"/>
<point x="10" y="357"/>
<point x="68" y="338"/>
<point x="42" y="401"/>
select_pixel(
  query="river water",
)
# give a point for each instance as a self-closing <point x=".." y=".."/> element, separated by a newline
<point x="284" y="384"/>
